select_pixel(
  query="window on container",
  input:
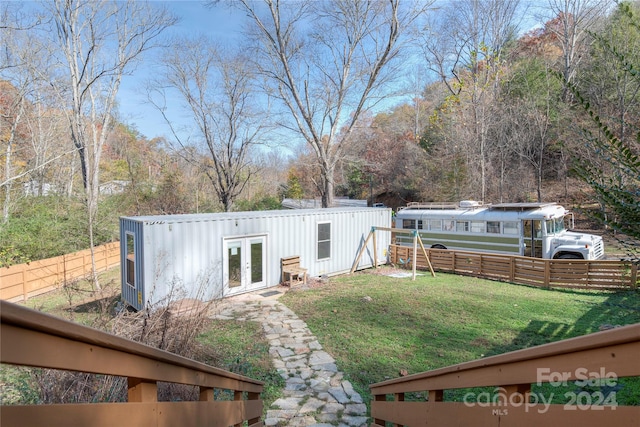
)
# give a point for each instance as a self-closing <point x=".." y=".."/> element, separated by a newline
<point x="510" y="227"/>
<point x="130" y="264"/>
<point x="435" y="224"/>
<point x="462" y="226"/>
<point x="324" y="240"/>
<point x="493" y="227"/>
<point x="409" y="223"/>
<point x="477" y="226"/>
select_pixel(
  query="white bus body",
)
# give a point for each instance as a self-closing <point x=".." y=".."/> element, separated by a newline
<point x="527" y="229"/>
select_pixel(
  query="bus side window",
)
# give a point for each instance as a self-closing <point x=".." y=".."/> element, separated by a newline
<point x="448" y="225"/>
<point x="409" y="223"/>
<point x="462" y="226"/>
<point x="493" y="227"/>
<point x="537" y="225"/>
<point x="510" y="227"/>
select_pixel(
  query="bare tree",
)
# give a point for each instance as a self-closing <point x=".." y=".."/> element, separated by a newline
<point x="464" y="44"/>
<point x="328" y="72"/>
<point x="100" y="42"/>
<point x="219" y="92"/>
<point x="25" y="71"/>
<point x="571" y="22"/>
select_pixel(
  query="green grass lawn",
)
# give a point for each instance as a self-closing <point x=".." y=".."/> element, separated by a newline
<point x="375" y="326"/>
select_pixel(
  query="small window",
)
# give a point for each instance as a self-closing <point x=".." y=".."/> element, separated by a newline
<point x="130" y="263"/>
<point x="510" y="227"/>
<point x="435" y="224"/>
<point x="448" y="225"/>
<point x="409" y="223"/>
<point x="462" y="226"/>
<point x="420" y="225"/>
<point x="477" y="226"/>
<point x="550" y="226"/>
<point x="324" y="240"/>
<point x="493" y="227"/>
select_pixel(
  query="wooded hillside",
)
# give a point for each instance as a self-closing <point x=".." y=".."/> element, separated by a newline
<point x="488" y="112"/>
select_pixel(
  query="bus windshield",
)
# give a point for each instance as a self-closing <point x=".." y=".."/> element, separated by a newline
<point x="555" y="226"/>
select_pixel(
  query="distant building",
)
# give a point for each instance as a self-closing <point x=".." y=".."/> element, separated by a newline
<point x="113" y="187"/>
<point x="34" y="188"/>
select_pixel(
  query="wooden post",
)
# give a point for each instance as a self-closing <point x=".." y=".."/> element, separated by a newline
<point x="25" y="291"/>
<point x="424" y="251"/>
<point x="252" y="396"/>
<point x="375" y="248"/>
<point x="142" y="391"/>
<point x="415" y="253"/>
<point x="237" y="395"/>
<point x="436" y="396"/>
<point x="206" y="394"/>
<point x="547" y="272"/>
<point x="399" y="398"/>
<point x="379" y="398"/>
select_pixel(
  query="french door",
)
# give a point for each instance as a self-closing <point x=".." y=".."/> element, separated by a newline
<point x="245" y="263"/>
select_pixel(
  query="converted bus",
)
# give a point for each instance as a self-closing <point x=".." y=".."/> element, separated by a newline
<point x="539" y="230"/>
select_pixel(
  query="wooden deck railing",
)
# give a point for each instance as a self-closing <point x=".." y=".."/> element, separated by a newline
<point x="31" y="338"/>
<point x="557" y="273"/>
<point x="607" y="355"/>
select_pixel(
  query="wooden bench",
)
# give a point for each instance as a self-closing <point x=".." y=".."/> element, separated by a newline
<point x="291" y="270"/>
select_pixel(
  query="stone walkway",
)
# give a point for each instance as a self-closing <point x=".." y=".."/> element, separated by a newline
<point x="315" y="394"/>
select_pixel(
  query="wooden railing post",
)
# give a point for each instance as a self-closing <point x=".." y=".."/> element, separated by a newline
<point x="399" y="398"/>
<point x="517" y="393"/>
<point x="250" y="396"/>
<point x="436" y="395"/>
<point x="379" y="398"/>
<point x="142" y="391"/>
<point x="237" y="395"/>
<point x="206" y="394"/>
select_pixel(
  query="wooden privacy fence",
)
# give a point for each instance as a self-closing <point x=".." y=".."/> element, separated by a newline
<point x="31" y="338"/>
<point x="602" y="357"/>
<point x="557" y="273"/>
<point x="22" y="281"/>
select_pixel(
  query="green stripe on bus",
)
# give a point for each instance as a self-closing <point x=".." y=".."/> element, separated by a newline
<point x="471" y="238"/>
<point x="510" y="245"/>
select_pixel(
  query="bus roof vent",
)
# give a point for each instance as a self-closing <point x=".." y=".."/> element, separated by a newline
<point x="470" y="204"/>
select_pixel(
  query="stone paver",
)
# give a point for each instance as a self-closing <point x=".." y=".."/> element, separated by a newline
<point x="315" y="393"/>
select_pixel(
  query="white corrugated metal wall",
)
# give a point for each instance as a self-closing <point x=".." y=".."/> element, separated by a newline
<point x="185" y="252"/>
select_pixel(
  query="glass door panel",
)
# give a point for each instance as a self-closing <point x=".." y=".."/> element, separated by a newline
<point x="234" y="263"/>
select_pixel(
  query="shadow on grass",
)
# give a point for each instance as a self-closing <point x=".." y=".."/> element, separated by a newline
<point x="100" y="305"/>
<point x="620" y="308"/>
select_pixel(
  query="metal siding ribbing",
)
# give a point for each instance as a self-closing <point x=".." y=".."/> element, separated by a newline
<point x="187" y="250"/>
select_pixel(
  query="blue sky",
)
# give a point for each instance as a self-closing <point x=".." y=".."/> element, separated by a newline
<point x="219" y="22"/>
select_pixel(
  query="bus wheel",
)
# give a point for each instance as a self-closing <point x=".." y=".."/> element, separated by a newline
<point x="438" y="246"/>
<point x="569" y="256"/>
